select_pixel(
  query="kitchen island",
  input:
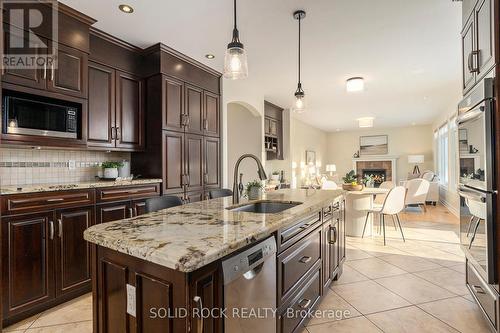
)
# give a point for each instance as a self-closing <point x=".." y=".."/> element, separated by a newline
<point x="171" y="260"/>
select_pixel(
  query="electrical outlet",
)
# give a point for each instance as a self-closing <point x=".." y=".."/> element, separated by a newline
<point x="130" y="300"/>
<point x="71" y="164"/>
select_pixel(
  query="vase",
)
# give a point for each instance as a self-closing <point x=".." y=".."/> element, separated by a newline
<point x="254" y="193"/>
<point x="111" y="173"/>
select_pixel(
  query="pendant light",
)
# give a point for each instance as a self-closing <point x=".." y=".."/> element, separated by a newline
<point x="235" y="60"/>
<point x="299" y="105"/>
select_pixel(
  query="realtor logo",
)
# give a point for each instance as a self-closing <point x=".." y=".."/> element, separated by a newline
<point x="31" y="34"/>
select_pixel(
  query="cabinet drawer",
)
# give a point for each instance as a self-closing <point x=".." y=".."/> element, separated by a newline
<point x="304" y="300"/>
<point x="296" y="261"/>
<point x="127" y="192"/>
<point x="482" y="293"/>
<point x="289" y="235"/>
<point x="35" y="202"/>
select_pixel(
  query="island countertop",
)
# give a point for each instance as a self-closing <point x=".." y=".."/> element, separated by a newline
<point x="188" y="237"/>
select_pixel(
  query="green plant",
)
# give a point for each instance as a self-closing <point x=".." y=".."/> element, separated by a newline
<point x="276" y="173"/>
<point x="367" y="179"/>
<point x="253" y="184"/>
<point x="350" y="177"/>
<point x="111" y="165"/>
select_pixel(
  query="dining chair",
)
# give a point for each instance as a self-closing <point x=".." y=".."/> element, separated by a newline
<point x="219" y="193"/>
<point x="159" y="203"/>
<point x="394" y="203"/>
<point x="380" y="198"/>
<point x="329" y="185"/>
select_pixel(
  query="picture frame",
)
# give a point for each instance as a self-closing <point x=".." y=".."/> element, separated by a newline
<point x="310" y="157"/>
<point x="374" y="145"/>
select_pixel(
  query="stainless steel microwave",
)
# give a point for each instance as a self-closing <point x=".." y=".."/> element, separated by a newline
<point x="33" y="115"/>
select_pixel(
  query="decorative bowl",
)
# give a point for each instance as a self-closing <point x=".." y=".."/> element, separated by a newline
<point x="350" y="187"/>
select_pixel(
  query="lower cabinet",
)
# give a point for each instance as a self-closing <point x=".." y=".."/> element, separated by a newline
<point x="45" y="257"/>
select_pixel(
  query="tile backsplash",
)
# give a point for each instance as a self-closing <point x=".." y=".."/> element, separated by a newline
<point x="27" y="166"/>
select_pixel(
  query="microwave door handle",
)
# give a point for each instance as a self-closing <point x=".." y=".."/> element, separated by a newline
<point x="470" y="115"/>
<point x="468" y="195"/>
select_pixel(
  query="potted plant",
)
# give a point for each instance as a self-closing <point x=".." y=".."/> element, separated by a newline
<point x="275" y="176"/>
<point x="369" y="181"/>
<point x="110" y="169"/>
<point x="351" y="182"/>
<point x="254" y="189"/>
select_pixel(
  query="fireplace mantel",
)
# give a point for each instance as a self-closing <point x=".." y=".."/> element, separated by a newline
<point x="382" y="158"/>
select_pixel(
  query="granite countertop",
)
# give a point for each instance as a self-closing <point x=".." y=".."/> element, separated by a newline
<point x="191" y="236"/>
<point x="33" y="188"/>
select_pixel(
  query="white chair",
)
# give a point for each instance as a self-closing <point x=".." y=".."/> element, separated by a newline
<point x="380" y="198"/>
<point x="329" y="185"/>
<point x="429" y="176"/>
<point x="394" y="203"/>
<point x="417" y="190"/>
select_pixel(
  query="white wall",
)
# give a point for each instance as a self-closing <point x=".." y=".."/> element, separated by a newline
<point x="243" y="137"/>
<point x="403" y="141"/>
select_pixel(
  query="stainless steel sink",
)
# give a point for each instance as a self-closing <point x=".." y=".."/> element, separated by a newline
<point x="264" y="207"/>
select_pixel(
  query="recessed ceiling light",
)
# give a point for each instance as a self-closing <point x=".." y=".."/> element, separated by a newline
<point x="209" y="56"/>
<point x="126" y="9"/>
<point x="355" y="84"/>
<point x="365" y="122"/>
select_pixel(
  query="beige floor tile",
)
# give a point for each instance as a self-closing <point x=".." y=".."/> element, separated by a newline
<point x="446" y="278"/>
<point x="378" y="249"/>
<point x="409" y="320"/>
<point x="369" y="297"/>
<point x="350" y="275"/>
<point x="414" y="289"/>
<point x="333" y="308"/>
<point x="459" y="268"/>
<point x="356" y="254"/>
<point x="410" y="263"/>
<point x="79" y="309"/>
<point x="459" y="313"/>
<point x="469" y="298"/>
<point x="359" y="324"/>
<point x="375" y="268"/>
<point x="22" y="325"/>
<point x="79" y="327"/>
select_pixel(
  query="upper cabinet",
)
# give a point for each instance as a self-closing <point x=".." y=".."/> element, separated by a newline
<point x="478" y="52"/>
<point x="273" y="131"/>
<point x="69" y="77"/>
<point x="211" y="114"/>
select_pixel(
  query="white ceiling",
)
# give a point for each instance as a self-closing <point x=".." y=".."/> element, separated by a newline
<point x="407" y="50"/>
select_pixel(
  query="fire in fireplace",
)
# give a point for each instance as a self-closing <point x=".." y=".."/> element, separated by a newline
<point x="378" y="175"/>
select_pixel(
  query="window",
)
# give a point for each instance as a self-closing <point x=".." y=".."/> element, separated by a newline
<point x="453" y="160"/>
<point x="442" y="154"/>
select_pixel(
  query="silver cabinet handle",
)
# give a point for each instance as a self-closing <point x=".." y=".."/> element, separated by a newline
<point x="60" y="227"/>
<point x="45" y="70"/>
<point x="475" y="67"/>
<point x="199" y="326"/>
<point x="304" y="303"/>
<point x="51" y="229"/>
<point x="334" y="240"/>
<point x="205" y="123"/>
<point x="305" y="259"/>
<point x="478" y="289"/>
<point x="55" y="200"/>
<point x="112" y="133"/>
<point x="118" y="133"/>
<point x="131" y="212"/>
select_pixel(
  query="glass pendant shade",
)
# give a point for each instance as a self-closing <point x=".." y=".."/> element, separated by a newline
<point x="300" y="104"/>
<point x="235" y="63"/>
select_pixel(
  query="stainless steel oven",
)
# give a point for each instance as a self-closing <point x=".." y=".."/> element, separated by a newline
<point x="477" y="178"/>
<point x="37" y="115"/>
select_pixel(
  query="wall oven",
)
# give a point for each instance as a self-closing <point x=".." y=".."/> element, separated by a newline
<point x="477" y="179"/>
<point x="36" y="115"/>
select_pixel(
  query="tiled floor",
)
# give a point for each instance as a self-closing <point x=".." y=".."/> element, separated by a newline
<point x="412" y="286"/>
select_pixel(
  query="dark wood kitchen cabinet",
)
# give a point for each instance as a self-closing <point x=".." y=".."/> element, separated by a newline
<point x="211" y="114"/>
<point x="273" y="131"/>
<point x="194" y="162"/>
<point x="116" y="109"/>
<point x="194" y="110"/>
<point x="478" y="43"/>
<point x="212" y="167"/>
<point x="112" y="212"/>
<point x="173" y="106"/>
<point x="173" y="163"/>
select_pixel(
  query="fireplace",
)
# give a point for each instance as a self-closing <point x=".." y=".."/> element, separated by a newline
<point x="379" y="175"/>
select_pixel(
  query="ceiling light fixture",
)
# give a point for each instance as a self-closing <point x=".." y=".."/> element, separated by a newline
<point x="365" y="122"/>
<point x="235" y="60"/>
<point x="126" y="9"/>
<point x="300" y="105"/>
<point x="355" y="84"/>
<point x="209" y="56"/>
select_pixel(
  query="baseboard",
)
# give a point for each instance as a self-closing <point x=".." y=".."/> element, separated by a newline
<point x="453" y="210"/>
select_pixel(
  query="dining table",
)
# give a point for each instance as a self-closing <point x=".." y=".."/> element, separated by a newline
<point x="357" y="204"/>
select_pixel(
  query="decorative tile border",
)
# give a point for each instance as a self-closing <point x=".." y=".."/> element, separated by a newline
<point x="48" y="164"/>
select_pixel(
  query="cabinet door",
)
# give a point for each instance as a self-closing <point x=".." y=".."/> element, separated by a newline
<point x="194" y="162"/>
<point x="194" y="196"/>
<point x="129" y="112"/>
<point x="173" y="105"/>
<point x="267" y="126"/>
<point x="27" y="262"/>
<point x="33" y="78"/>
<point x="273" y="130"/>
<point x="206" y="284"/>
<point x="334" y="247"/>
<point x="113" y="212"/>
<point x="69" y="75"/>
<point x="138" y="207"/>
<point x="72" y="251"/>
<point x="325" y="253"/>
<point x="101" y="111"/>
<point x="212" y="162"/>
<point x="211" y="119"/>
<point x="194" y="110"/>
<point x="173" y="163"/>
<point x="468" y="74"/>
<point x="485" y="46"/>
<point x="342" y="232"/>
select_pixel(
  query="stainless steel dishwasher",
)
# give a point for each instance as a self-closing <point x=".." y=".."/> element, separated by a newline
<point x="250" y="289"/>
